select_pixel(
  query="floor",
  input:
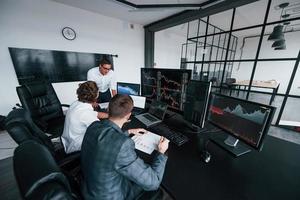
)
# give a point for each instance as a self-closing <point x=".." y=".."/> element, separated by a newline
<point x="7" y="145"/>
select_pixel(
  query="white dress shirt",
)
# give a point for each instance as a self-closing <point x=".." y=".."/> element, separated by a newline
<point x="104" y="82"/>
<point x="79" y="116"/>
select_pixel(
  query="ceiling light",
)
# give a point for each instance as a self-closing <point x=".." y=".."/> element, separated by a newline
<point x="277" y="33"/>
<point x="279" y="45"/>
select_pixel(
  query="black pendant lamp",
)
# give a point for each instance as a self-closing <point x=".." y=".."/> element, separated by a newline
<point x="277" y="33"/>
<point x="279" y="45"/>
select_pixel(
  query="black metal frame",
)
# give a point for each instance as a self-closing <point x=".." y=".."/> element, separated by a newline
<point x="188" y="16"/>
<point x="174" y="5"/>
<point x="231" y="47"/>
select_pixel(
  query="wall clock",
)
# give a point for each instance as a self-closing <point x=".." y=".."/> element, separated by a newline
<point x="68" y="33"/>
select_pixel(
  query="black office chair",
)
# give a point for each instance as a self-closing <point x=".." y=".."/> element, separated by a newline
<point x="40" y="100"/>
<point x="21" y="128"/>
<point x="214" y="81"/>
<point x="38" y="175"/>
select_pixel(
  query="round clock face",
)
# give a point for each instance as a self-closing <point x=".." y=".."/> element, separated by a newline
<point x="69" y="33"/>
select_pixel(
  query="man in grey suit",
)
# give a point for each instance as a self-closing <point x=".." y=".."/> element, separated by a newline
<point x="110" y="166"/>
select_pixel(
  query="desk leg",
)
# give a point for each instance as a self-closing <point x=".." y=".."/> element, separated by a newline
<point x="239" y="87"/>
<point x="273" y="95"/>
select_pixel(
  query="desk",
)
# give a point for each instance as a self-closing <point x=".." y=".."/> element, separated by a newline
<point x="273" y="173"/>
<point x="274" y="85"/>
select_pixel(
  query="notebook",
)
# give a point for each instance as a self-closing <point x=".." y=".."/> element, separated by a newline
<point x="155" y="115"/>
<point x="146" y="142"/>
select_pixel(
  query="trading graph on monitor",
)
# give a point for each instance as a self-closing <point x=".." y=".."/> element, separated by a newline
<point x="196" y="102"/>
<point x="167" y="85"/>
<point x="128" y="88"/>
<point x="244" y="120"/>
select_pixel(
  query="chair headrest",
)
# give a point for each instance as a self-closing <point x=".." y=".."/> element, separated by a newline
<point x="37" y="89"/>
<point x="18" y="115"/>
<point x="33" y="158"/>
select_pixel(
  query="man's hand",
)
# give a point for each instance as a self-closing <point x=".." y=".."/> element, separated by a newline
<point x="102" y="115"/>
<point x="95" y="105"/>
<point x="137" y="131"/>
<point x="163" y="145"/>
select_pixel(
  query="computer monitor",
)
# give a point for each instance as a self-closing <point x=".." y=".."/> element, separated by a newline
<point x="196" y="102"/>
<point x="128" y="88"/>
<point x="158" y="109"/>
<point x="243" y="120"/>
<point x="166" y="85"/>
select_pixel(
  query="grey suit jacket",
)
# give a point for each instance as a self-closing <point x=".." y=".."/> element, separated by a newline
<point x="111" y="169"/>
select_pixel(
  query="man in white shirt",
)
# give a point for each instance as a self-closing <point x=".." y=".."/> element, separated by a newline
<point x="80" y="115"/>
<point x="105" y="80"/>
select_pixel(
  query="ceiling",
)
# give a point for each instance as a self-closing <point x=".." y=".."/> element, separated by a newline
<point x="247" y="15"/>
<point x="124" y="12"/>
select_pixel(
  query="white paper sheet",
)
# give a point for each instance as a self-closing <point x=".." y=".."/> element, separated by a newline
<point x="146" y="142"/>
<point x="104" y="105"/>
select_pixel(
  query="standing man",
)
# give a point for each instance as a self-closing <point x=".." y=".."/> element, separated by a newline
<point x="105" y="80"/>
<point x="110" y="166"/>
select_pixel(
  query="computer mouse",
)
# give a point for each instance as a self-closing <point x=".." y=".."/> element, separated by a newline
<point x="205" y="156"/>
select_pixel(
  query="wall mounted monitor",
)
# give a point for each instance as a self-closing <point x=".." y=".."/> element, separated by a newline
<point x="167" y="85"/>
<point x="242" y="120"/>
<point x="53" y="66"/>
<point x="196" y="103"/>
<point x="128" y="88"/>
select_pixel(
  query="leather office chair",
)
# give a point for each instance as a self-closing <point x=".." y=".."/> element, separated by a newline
<point x="214" y="81"/>
<point x="21" y="128"/>
<point x="38" y="175"/>
<point x="40" y="100"/>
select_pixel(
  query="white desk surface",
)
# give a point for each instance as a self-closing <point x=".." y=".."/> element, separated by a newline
<point x="256" y="83"/>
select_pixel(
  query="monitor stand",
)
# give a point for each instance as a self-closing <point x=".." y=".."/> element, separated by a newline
<point x="194" y="128"/>
<point x="232" y="145"/>
<point x="169" y="115"/>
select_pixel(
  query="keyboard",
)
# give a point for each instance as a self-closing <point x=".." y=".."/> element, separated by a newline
<point x="174" y="136"/>
<point x="150" y="118"/>
<point x="137" y="111"/>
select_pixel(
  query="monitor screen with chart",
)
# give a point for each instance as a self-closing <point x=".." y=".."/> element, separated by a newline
<point x="166" y="85"/>
<point x="244" y="120"/>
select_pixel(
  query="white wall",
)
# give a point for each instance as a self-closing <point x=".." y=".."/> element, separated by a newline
<point x="37" y="24"/>
<point x="167" y="47"/>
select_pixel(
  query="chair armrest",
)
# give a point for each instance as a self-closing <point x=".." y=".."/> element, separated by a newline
<point x="70" y="161"/>
<point x="65" y="105"/>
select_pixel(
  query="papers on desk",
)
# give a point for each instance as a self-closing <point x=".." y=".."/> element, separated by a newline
<point x="104" y="105"/>
<point x="146" y="142"/>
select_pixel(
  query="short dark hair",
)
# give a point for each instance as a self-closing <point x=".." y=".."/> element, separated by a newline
<point x="87" y="92"/>
<point x="119" y="106"/>
<point x="105" y="61"/>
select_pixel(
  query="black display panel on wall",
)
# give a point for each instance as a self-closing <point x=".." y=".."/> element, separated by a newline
<point x="53" y="66"/>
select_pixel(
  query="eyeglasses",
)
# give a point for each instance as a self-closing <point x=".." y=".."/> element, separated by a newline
<point x="106" y="68"/>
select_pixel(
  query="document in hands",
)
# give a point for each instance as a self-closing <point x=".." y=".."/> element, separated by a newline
<point x="146" y="142"/>
<point x="104" y="105"/>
